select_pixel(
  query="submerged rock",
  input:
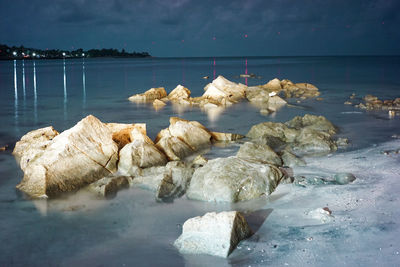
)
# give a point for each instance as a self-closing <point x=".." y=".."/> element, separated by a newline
<point x="215" y="234"/>
<point x="149" y="95"/>
<point x="344" y="178"/>
<point x="233" y="179"/>
<point x="158" y="104"/>
<point x="71" y="160"/>
<point x="311" y="141"/>
<point x="108" y="187"/>
<point x="291" y="160"/>
<point x="224" y="92"/>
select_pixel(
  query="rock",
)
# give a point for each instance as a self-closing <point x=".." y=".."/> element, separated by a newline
<point x="233" y="179"/>
<point x="76" y="157"/>
<point x="139" y="153"/>
<point x="273" y="85"/>
<point x="158" y="104"/>
<point x="370" y="98"/>
<point x="291" y="160"/>
<point x="319" y="123"/>
<point x="217" y="136"/>
<point x="122" y="132"/>
<point x="205" y="77"/>
<point x="200" y="160"/>
<point x="149" y="95"/>
<point x="275" y="129"/>
<point x="174" y="148"/>
<point x="224" y="91"/>
<point x="258" y="152"/>
<point x="321" y="214"/>
<point x="194" y="134"/>
<point x="3" y="148"/>
<point x="348" y="103"/>
<point x="344" y="178"/>
<point x="179" y="93"/>
<point x="342" y="142"/>
<point x="167" y="181"/>
<point x="311" y="141"/>
<point x="306" y="86"/>
<point x="215" y="234"/>
<point x="108" y="187"/>
<point x="33" y="144"/>
<point x="274" y="142"/>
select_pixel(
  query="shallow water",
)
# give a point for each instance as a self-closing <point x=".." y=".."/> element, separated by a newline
<point x="133" y="229"/>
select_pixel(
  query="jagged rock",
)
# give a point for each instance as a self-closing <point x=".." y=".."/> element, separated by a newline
<point x="274" y="142"/>
<point x="73" y="159"/>
<point x="224" y="91"/>
<point x="122" y="132"/>
<point x="149" y="95"/>
<point x="194" y="134"/>
<point x="179" y="93"/>
<point x="173" y="147"/>
<point x="342" y="142"/>
<point x="291" y="160"/>
<point x="200" y="160"/>
<point x="215" y="234"/>
<point x="217" y="136"/>
<point x="258" y="152"/>
<point x="108" y="187"/>
<point x="140" y="153"/>
<point x="167" y="181"/>
<point x="157" y="104"/>
<point x="319" y="123"/>
<point x="344" y="178"/>
<point x="370" y="98"/>
<point x="273" y="85"/>
<point x="306" y="86"/>
<point x="348" y="103"/>
<point x="33" y="144"/>
<point x="233" y="179"/>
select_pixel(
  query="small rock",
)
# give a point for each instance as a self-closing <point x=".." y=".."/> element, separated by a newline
<point x="320" y="214"/>
<point x="348" y="103"/>
<point x="215" y="234"/>
<point x="344" y="178"/>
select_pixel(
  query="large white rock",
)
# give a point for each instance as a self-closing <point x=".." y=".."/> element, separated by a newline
<point x="73" y="159"/>
<point x="259" y="152"/>
<point x="233" y="179"/>
<point x="215" y="234"/>
<point x="122" y="133"/>
<point x="179" y="93"/>
<point x="224" y="91"/>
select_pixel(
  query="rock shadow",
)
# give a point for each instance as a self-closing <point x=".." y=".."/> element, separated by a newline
<point x="257" y="218"/>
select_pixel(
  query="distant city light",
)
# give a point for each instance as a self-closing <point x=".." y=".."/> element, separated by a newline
<point x="83" y="54"/>
<point x="14" y="53"/>
<point x="23" y="53"/>
<point x="63" y="54"/>
<point x="34" y="54"/>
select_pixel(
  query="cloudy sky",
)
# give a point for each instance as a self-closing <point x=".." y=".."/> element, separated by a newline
<point x="170" y="28"/>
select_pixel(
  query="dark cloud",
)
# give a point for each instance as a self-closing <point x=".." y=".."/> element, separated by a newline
<point x="209" y="27"/>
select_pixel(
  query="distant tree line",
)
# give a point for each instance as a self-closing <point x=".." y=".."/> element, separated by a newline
<point x="21" y="52"/>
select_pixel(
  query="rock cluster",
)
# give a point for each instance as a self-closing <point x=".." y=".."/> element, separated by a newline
<point x="370" y="102"/>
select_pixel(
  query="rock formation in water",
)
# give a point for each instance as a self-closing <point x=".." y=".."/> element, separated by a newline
<point x="215" y="234"/>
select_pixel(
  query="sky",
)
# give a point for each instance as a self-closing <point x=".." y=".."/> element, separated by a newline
<point x="189" y="28"/>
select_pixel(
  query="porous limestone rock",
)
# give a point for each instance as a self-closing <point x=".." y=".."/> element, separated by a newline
<point x="122" y="132"/>
<point x="215" y="234"/>
<point x="149" y="95"/>
<point x="73" y="159"/>
<point x="33" y="145"/>
<point x="233" y="179"/>
<point x="258" y="152"/>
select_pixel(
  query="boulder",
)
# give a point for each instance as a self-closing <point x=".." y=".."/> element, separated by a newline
<point x="75" y="158"/>
<point x="291" y="160"/>
<point x="174" y="148"/>
<point x="179" y="93"/>
<point x="258" y="152"/>
<point x="224" y="91"/>
<point x="306" y="86"/>
<point x="273" y="85"/>
<point x="233" y="179"/>
<point x="274" y="142"/>
<point x="108" y="187"/>
<point x="215" y="234"/>
<point x="217" y="136"/>
<point x="122" y="132"/>
<point x="33" y="144"/>
<point x="149" y="95"/>
<point x="312" y="141"/>
<point x="319" y="123"/>
<point x="275" y="129"/>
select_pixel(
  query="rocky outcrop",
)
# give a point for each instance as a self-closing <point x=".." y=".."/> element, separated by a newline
<point x="123" y="133"/>
<point x="319" y="123"/>
<point x="371" y="102"/>
<point x="179" y="93"/>
<point x="158" y="104"/>
<point x="71" y="160"/>
<point x="291" y="160"/>
<point x="149" y="95"/>
<point x="233" y="179"/>
<point x="215" y="234"/>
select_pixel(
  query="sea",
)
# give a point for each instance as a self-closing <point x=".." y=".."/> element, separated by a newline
<point x="134" y="230"/>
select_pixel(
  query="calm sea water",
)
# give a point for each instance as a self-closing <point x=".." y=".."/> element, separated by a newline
<point x="132" y="228"/>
